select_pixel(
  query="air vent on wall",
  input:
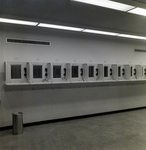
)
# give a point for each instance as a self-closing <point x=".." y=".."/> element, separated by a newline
<point x="140" y="50"/>
<point x="20" y="41"/>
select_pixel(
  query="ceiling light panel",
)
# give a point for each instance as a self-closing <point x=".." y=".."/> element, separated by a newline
<point x="138" y="11"/>
<point x="21" y="22"/>
<point x="107" y="4"/>
<point x="59" y="27"/>
<point x="100" y="32"/>
<point x="132" y="36"/>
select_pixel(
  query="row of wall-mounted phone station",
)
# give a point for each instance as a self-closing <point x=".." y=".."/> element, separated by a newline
<point x="19" y="73"/>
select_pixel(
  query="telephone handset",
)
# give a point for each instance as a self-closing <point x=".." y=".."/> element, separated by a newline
<point x="81" y="71"/>
<point x="111" y="72"/>
<point x="25" y="72"/>
<point x="46" y="72"/>
<point x="96" y="72"/>
<point x="134" y="71"/>
<point x="123" y="72"/>
<point x="46" y="75"/>
<point x="64" y="72"/>
<point x="144" y="71"/>
<point x="25" y="75"/>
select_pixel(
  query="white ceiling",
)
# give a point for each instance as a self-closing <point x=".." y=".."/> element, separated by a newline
<point x="77" y="14"/>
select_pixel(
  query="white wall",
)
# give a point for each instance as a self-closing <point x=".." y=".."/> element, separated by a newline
<point x="39" y="103"/>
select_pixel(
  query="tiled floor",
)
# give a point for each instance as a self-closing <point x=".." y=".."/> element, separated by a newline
<point x="119" y="131"/>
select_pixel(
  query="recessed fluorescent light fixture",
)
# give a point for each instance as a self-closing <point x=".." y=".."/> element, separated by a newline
<point x="107" y="4"/>
<point x="138" y="11"/>
<point x="132" y="36"/>
<point x="21" y="22"/>
<point x="59" y="27"/>
<point x="100" y="32"/>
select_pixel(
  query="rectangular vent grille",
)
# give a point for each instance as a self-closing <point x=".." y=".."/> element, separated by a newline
<point x="140" y="50"/>
<point x="28" y="42"/>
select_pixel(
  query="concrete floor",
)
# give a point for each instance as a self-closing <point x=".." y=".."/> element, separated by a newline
<point x="119" y="131"/>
